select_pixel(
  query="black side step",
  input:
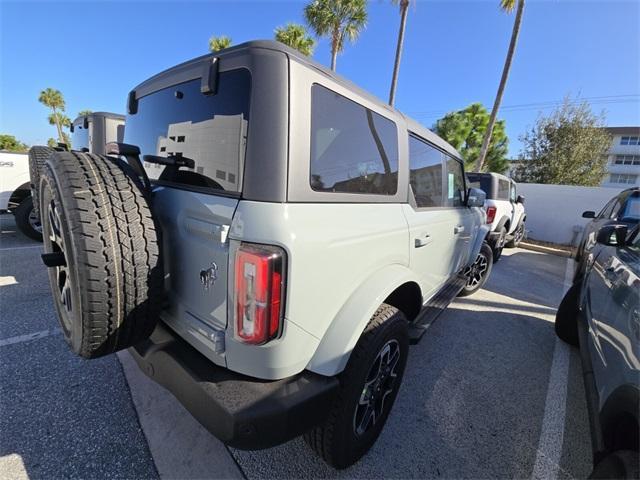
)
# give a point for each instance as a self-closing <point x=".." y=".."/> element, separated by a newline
<point x="435" y="307"/>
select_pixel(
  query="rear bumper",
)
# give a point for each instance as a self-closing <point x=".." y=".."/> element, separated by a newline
<point x="241" y="411"/>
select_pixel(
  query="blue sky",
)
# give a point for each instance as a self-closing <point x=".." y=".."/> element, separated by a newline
<point x="95" y="52"/>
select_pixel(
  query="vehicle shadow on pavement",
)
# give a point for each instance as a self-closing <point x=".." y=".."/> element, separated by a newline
<point x="471" y="406"/>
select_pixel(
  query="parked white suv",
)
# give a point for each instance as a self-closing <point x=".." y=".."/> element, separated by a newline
<point x="299" y="235"/>
<point x="15" y="193"/>
<point x="505" y="210"/>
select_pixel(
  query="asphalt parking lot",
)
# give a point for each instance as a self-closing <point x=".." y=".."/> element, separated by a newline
<point x="489" y="392"/>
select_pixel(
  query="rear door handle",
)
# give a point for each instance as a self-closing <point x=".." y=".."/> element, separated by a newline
<point x="422" y="241"/>
<point x="458" y="229"/>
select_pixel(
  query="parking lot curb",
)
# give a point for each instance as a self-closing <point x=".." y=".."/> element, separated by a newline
<point x="542" y="249"/>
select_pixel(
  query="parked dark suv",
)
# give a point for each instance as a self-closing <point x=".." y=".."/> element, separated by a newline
<point x="601" y="315"/>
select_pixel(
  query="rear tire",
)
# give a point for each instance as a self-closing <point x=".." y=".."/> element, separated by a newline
<point x="518" y="235"/>
<point x="27" y="221"/>
<point x="97" y="223"/>
<point x="349" y="431"/>
<point x="566" y="325"/>
<point x="478" y="273"/>
<point x="38" y="155"/>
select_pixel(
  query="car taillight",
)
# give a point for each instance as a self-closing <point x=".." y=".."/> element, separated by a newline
<point x="258" y="292"/>
<point x="491" y="214"/>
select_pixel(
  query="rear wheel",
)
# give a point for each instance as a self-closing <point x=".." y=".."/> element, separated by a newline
<point x="566" y="325"/>
<point x="478" y="273"/>
<point x="368" y="387"/>
<point x="102" y="247"/>
<point x="27" y="221"/>
<point x="518" y="235"/>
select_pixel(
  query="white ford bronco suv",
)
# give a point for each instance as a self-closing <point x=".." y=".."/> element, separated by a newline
<point x="296" y="237"/>
<point x="505" y="210"/>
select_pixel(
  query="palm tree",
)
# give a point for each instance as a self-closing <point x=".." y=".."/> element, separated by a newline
<point x="507" y="6"/>
<point x="337" y="19"/>
<point x="404" y="7"/>
<point x="59" y="118"/>
<point x="55" y="101"/>
<point x="82" y="113"/>
<point x="219" y="43"/>
<point x="295" y="36"/>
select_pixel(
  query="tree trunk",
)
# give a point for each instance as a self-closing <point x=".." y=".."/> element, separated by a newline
<point x="58" y="126"/>
<point x="334" y="49"/>
<point x="404" y="7"/>
<point x="503" y="83"/>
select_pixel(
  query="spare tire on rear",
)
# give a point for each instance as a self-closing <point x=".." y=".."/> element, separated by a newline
<point x="102" y="249"/>
<point x="38" y="155"/>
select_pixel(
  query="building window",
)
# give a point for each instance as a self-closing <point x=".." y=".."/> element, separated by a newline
<point x="163" y="149"/>
<point x="180" y="138"/>
<point x="221" y="175"/>
<point x="630" y="141"/>
<point x="623" y="178"/>
<point x="627" y="160"/>
<point x="172" y="138"/>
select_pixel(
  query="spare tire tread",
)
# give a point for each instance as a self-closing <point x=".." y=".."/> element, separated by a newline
<point x="116" y="249"/>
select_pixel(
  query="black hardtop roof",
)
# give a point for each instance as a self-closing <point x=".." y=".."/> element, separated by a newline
<point x="295" y="55"/>
<point x="116" y="116"/>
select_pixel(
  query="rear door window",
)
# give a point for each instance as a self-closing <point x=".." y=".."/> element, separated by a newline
<point x="503" y="189"/>
<point x="211" y="130"/>
<point x="455" y="186"/>
<point x="353" y="149"/>
<point x="425" y="174"/>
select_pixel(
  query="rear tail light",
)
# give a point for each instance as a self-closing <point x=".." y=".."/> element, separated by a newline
<point x="258" y="297"/>
<point x="491" y="214"/>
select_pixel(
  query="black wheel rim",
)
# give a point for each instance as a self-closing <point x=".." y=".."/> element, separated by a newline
<point x="62" y="286"/>
<point x="34" y="221"/>
<point x="477" y="271"/>
<point x="379" y="384"/>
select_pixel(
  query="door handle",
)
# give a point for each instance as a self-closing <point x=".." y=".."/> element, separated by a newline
<point x="458" y="229"/>
<point x="422" y="241"/>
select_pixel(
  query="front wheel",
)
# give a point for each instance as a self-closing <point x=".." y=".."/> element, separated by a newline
<point x="27" y="220"/>
<point x="368" y="387"/>
<point x="478" y="273"/>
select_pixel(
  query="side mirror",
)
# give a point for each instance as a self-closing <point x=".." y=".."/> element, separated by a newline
<point x="589" y="214"/>
<point x="520" y="199"/>
<point x="475" y="197"/>
<point x="612" y="235"/>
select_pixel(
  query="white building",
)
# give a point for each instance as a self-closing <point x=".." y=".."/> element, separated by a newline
<point x="216" y="145"/>
<point x="623" y="160"/>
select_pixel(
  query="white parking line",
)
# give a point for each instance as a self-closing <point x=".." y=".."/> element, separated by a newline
<point x="6" y="249"/>
<point x="549" y="450"/>
<point x="27" y="338"/>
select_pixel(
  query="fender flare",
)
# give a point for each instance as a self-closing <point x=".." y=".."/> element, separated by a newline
<point x="481" y="237"/>
<point x="501" y="223"/>
<point x="331" y="356"/>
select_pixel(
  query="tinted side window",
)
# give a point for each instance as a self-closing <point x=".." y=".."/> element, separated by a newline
<point x="607" y="209"/>
<point x="482" y="182"/>
<point x="353" y="150"/>
<point x="503" y="189"/>
<point x="212" y="131"/>
<point x="513" y="194"/>
<point x="425" y="174"/>
<point x="455" y="183"/>
<point x="632" y="208"/>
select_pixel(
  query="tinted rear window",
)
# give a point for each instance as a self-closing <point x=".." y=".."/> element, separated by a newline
<point x="353" y="150"/>
<point x="483" y="182"/>
<point x="209" y="129"/>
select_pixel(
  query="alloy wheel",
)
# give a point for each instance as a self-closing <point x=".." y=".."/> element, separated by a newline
<point x="56" y="244"/>
<point x="475" y="272"/>
<point x="380" y="382"/>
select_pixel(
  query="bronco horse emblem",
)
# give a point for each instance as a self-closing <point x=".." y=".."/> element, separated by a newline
<point x="209" y="276"/>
